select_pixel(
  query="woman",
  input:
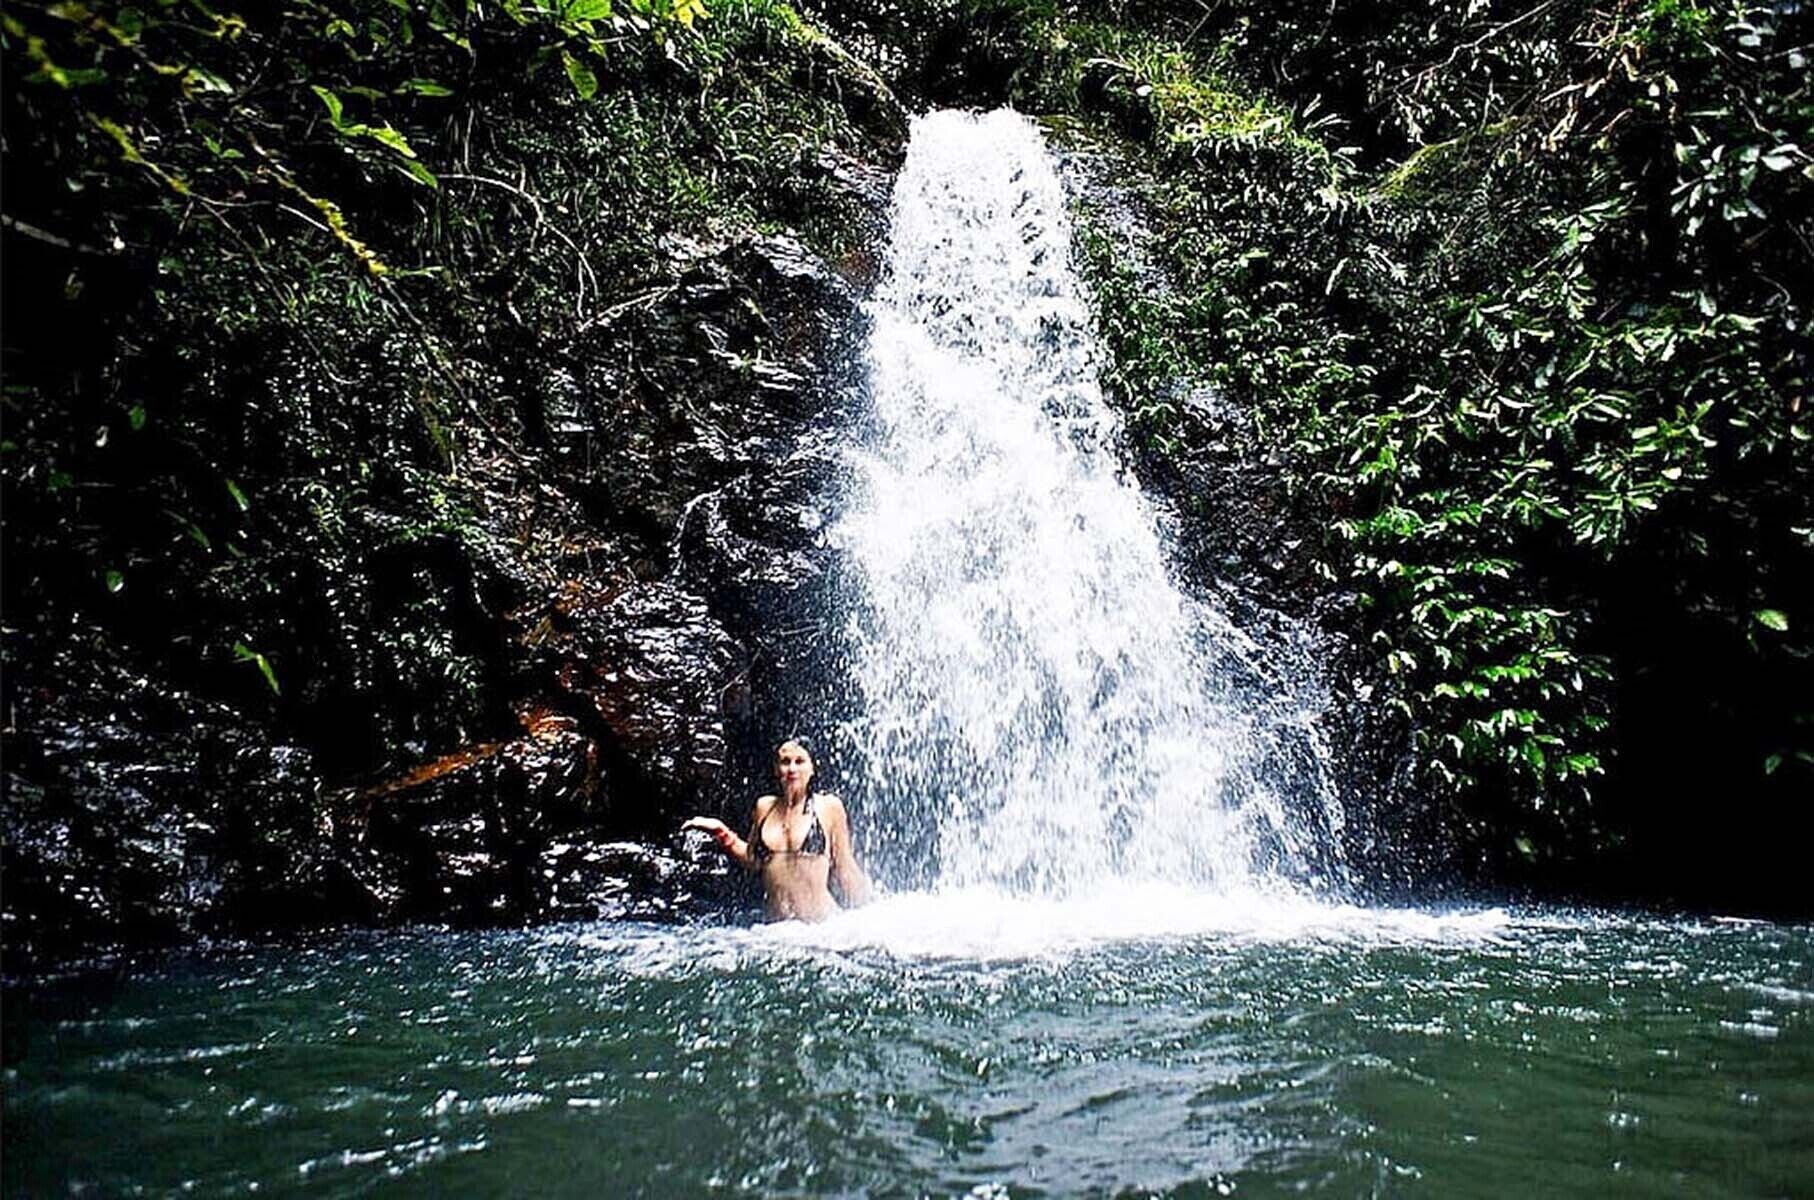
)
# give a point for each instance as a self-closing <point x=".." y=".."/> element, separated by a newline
<point x="799" y="840"/>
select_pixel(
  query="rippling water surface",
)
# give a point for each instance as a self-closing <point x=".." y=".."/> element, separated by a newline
<point x="954" y="1045"/>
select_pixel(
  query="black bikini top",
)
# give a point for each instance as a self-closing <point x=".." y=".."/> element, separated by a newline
<point x="812" y="843"/>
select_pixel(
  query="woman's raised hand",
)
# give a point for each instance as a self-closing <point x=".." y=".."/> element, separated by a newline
<point x="721" y="833"/>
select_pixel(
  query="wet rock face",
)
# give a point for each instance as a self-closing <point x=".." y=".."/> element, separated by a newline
<point x="138" y="816"/>
<point x="659" y="671"/>
<point x="457" y="838"/>
<point x="591" y="880"/>
<point x="701" y="447"/>
<point x="722" y="461"/>
<point x="135" y="814"/>
<point x="711" y="376"/>
<point x="656" y="578"/>
<point x="755" y="546"/>
<point x="515" y="831"/>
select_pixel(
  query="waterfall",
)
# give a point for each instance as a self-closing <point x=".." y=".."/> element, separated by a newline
<point x="1042" y="710"/>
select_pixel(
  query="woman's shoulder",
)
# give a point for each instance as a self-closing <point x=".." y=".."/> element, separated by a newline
<point x="828" y="802"/>
<point x="763" y="804"/>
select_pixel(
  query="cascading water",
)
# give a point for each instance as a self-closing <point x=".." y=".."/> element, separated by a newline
<point x="1043" y="710"/>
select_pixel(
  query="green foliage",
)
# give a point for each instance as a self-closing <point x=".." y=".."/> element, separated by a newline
<point x="333" y="262"/>
<point x="1520" y="301"/>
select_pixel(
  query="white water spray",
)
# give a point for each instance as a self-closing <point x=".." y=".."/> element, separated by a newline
<point x="1043" y="710"/>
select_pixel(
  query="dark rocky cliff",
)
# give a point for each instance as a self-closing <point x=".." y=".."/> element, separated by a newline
<point x="439" y="592"/>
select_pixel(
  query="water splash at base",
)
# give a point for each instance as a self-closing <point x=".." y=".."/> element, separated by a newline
<point x="983" y="925"/>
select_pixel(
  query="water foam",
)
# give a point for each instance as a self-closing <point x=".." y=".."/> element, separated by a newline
<point x="985" y="924"/>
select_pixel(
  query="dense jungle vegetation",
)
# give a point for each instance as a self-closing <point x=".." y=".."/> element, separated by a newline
<point x="326" y="325"/>
<point x="1516" y="299"/>
<point x="1521" y="296"/>
<point x="284" y="286"/>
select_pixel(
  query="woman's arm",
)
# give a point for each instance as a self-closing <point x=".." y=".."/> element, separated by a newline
<point x="728" y="841"/>
<point x="846" y="873"/>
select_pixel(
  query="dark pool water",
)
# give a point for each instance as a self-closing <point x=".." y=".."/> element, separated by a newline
<point x="1172" y="1044"/>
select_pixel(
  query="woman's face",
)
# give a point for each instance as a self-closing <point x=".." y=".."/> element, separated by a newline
<point x="793" y="766"/>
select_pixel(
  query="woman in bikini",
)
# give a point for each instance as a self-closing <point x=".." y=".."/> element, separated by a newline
<point x="799" y="840"/>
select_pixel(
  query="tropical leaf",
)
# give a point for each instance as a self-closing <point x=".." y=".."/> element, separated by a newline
<point x="584" y="81"/>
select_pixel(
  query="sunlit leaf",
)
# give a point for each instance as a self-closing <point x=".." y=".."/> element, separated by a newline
<point x="584" y="81"/>
<point x="245" y="653"/>
<point x="333" y="103"/>
<point x="387" y="136"/>
<point x="1772" y="618"/>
